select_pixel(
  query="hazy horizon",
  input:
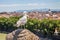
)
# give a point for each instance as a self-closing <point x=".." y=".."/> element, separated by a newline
<point x="13" y="5"/>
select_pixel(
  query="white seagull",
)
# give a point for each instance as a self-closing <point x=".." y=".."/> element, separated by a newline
<point x="23" y="20"/>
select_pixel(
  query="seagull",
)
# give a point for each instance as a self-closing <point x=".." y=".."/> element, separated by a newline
<point x="23" y="20"/>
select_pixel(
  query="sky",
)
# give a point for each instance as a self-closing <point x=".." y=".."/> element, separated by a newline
<point x="13" y="5"/>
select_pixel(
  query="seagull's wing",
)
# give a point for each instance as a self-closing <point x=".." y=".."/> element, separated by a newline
<point x="21" y="21"/>
<point x="23" y="18"/>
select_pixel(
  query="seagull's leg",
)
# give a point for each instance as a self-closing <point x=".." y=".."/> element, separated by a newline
<point x="21" y="27"/>
<point x="24" y="26"/>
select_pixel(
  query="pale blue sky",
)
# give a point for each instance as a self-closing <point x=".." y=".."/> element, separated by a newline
<point x="12" y="5"/>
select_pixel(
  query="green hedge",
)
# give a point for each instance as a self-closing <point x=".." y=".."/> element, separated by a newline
<point x="7" y="24"/>
<point x="46" y="26"/>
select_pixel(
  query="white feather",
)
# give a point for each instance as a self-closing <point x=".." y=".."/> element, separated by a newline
<point x="22" y="21"/>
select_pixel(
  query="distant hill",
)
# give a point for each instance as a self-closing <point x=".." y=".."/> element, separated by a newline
<point x="41" y="10"/>
<point x="23" y="10"/>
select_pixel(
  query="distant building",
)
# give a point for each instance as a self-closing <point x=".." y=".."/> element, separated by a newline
<point x="50" y="12"/>
<point x="47" y="15"/>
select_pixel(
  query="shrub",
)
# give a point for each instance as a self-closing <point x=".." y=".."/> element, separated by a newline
<point x="45" y="25"/>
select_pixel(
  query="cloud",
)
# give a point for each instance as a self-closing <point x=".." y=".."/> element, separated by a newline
<point x="16" y="5"/>
<point x="24" y="5"/>
<point x="13" y="7"/>
<point x="8" y="5"/>
<point x="43" y="4"/>
<point x="33" y="4"/>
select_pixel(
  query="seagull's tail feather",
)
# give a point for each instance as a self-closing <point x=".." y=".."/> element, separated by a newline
<point x="16" y="25"/>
